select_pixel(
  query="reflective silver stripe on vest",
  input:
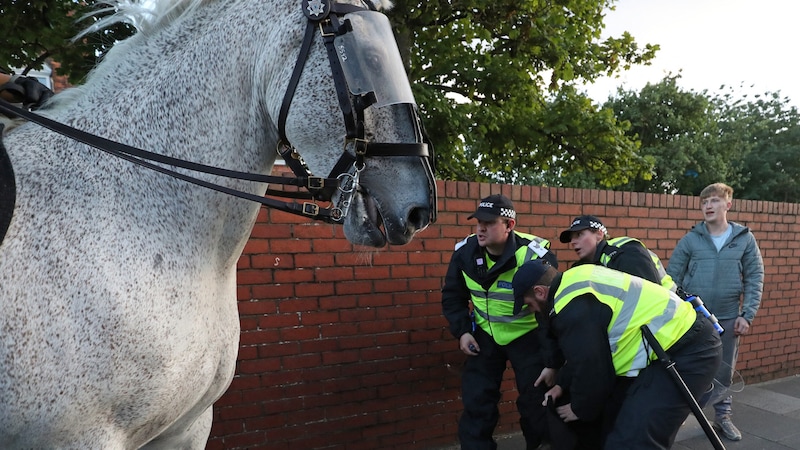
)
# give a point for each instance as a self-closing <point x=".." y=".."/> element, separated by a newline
<point x="495" y="296"/>
<point x="628" y="307"/>
<point x="503" y="297"/>
<point x="655" y="325"/>
<point x="502" y="319"/>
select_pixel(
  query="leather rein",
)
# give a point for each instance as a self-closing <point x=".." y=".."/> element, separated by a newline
<point x="344" y="175"/>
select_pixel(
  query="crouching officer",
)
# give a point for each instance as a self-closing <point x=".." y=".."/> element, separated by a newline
<point x="595" y="314"/>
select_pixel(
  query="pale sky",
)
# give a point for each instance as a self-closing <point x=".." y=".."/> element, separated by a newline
<point x="712" y="42"/>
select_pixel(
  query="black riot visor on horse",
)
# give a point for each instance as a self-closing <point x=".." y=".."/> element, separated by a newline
<point x="375" y="78"/>
<point x="369" y="65"/>
<point x="372" y="87"/>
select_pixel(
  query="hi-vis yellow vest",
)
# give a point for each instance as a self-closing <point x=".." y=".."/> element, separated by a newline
<point x="634" y="302"/>
<point x="494" y="309"/>
<point x="666" y="280"/>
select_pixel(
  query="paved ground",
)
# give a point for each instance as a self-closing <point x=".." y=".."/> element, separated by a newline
<point x="768" y="415"/>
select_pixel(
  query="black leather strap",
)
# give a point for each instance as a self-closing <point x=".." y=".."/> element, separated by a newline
<point x="318" y="188"/>
<point x="28" y="91"/>
<point x="143" y="158"/>
<point x="292" y="86"/>
<point x="8" y="189"/>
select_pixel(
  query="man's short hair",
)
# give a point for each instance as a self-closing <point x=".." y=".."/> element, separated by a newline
<point x="721" y="190"/>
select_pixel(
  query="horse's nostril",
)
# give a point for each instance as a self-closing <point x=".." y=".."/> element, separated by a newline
<point x="419" y="218"/>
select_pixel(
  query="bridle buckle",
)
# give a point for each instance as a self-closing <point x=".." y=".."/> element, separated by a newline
<point x="310" y="209"/>
<point x="315" y="183"/>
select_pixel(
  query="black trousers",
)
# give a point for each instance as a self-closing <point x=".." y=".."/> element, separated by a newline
<point x="480" y="391"/>
<point x="654" y="407"/>
<point x="583" y="434"/>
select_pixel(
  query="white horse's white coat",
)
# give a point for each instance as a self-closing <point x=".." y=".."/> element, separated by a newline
<point x="119" y="326"/>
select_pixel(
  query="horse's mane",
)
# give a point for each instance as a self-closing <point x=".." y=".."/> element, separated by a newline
<point x="144" y="15"/>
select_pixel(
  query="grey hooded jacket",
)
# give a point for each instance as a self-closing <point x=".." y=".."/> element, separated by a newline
<point x="721" y="278"/>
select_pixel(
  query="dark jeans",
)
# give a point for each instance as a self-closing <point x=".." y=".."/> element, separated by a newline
<point x="480" y="391"/>
<point x="730" y="353"/>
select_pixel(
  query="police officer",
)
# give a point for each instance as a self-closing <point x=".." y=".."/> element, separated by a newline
<point x="478" y="303"/>
<point x="596" y="315"/>
<point x="589" y="238"/>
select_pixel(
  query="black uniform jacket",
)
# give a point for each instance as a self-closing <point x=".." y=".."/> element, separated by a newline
<point x="468" y="258"/>
<point x="632" y="258"/>
<point x="581" y="330"/>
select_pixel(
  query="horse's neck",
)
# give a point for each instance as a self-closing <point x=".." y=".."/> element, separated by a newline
<point x="205" y="111"/>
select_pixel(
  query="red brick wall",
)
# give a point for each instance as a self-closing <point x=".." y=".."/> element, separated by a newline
<point x="346" y="348"/>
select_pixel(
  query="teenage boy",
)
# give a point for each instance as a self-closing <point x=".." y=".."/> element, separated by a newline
<point x="720" y="262"/>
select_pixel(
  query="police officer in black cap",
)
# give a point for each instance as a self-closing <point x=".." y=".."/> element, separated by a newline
<point x="589" y="238"/>
<point x="611" y="392"/>
<point x="478" y="302"/>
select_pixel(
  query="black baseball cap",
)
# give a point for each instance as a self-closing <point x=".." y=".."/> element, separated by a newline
<point x="526" y="277"/>
<point x="494" y="206"/>
<point x="582" y="223"/>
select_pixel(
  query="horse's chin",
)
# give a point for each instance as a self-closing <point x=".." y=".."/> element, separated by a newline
<point x="366" y="224"/>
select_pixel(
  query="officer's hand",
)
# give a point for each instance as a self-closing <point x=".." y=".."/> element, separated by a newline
<point x="741" y="326"/>
<point x="35" y="93"/>
<point x="548" y="377"/>
<point x="555" y="392"/>
<point x="566" y="414"/>
<point x="469" y="345"/>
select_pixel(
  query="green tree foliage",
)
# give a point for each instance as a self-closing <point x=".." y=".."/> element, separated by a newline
<point x="494" y="81"/>
<point x="770" y="127"/>
<point x="679" y="132"/>
<point x="696" y="138"/>
<point x="35" y="30"/>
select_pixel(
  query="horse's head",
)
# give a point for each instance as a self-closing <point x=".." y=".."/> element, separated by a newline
<point x="320" y="79"/>
<point x="352" y="112"/>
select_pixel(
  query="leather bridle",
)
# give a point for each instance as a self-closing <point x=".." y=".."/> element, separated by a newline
<point x="344" y="177"/>
<point x="325" y="16"/>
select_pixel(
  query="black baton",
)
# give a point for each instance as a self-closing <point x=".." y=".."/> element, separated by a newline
<point x="676" y="377"/>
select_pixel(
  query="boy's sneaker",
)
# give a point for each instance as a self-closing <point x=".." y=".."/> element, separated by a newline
<point x="728" y="429"/>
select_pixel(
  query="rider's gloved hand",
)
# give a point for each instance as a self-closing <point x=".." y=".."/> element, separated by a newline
<point x="36" y="94"/>
<point x="28" y="91"/>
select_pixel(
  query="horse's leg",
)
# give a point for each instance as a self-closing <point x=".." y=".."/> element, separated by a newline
<point x="181" y="437"/>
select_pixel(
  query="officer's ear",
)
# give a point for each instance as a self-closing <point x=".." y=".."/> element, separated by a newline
<point x="510" y="223"/>
<point x="540" y="292"/>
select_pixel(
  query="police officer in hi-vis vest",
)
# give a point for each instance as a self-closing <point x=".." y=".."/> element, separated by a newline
<point x="478" y="303"/>
<point x="589" y="238"/>
<point x="595" y="315"/>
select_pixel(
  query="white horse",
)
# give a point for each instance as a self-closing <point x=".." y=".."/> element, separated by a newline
<point x="119" y="326"/>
